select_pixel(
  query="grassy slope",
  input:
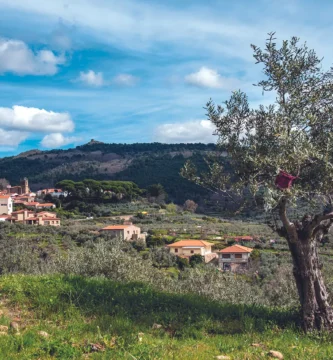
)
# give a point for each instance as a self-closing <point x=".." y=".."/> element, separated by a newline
<point x="77" y="312"/>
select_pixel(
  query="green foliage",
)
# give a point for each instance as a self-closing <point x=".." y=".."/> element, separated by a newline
<point x="195" y="260"/>
<point x="156" y="190"/>
<point x="182" y="263"/>
<point x="93" y="190"/>
<point x="293" y="134"/>
<point x="171" y="208"/>
<point x="165" y="170"/>
<point x="162" y="258"/>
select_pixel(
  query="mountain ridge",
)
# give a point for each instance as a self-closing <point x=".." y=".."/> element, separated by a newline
<point x="143" y="163"/>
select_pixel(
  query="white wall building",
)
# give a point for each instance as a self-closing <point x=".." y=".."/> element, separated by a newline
<point x="6" y="205"/>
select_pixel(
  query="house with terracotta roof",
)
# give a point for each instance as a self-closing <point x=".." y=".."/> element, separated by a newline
<point x="31" y="218"/>
<point x="234" y="257"/>
<point x="128" y="232"/>
<point x="188" y="248"/>
<point x="6" y="205"/>
<point x="52" y="192"/>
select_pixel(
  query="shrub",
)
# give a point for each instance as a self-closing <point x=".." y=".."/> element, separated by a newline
<point x="196" y="259"/>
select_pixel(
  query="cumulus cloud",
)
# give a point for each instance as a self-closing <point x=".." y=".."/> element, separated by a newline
<point x="16" y="57"/>
<point x="12" y="138"/>
<point x="33" y="119"/>
<point x="57" y="140"/>
<point x="125" y="80"/>
<point x="92" y="78"/>
<point x="205" y="77"/>
<point x="187" y="132"/>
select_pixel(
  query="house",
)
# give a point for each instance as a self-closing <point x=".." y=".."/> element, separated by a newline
<point x="52" y="192"/>
<point x="6" y="205"/>
<point x="4" y="217"/>
<point x="31" y="204"/>
<point x="45" y="206"/>
<point x="234" y="257"/>
<point x="187" y="248"/>
<point x="31" y="218"/>
<point x="127" y="232"/>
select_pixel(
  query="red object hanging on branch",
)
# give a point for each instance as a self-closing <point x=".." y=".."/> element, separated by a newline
<point x="284" y="180"/>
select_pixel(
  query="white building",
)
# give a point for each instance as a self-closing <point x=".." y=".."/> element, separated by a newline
<point x="127" y="232"/>
<point x="188" y="248"/>
<point x="6" y="205"/>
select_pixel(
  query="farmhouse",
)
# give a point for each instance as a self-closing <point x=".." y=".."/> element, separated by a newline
<point x="234" y="257"/>
<point x="128" y="232"/>
<point x="6" y="205"/>
<point x="31" y="218"/>
<point x="187" y="248"/>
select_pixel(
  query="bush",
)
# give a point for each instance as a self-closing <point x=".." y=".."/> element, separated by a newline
<point x="196" y="259"/>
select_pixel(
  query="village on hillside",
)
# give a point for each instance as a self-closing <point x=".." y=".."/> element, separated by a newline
<point x="19" y="205"/>
<point x="33" y="212"/>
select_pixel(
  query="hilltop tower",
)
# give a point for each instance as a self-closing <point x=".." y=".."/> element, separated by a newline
<point x="25" y="186"/>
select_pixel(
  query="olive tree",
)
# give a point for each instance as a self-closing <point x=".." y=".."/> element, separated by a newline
<point x="283" y="154"/>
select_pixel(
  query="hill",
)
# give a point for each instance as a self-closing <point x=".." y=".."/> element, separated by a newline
<point x="142" y="163"/>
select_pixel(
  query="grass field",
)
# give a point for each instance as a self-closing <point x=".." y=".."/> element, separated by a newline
<point x="100" y="319"/>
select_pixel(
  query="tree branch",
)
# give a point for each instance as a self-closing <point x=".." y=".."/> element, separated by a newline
<point x="288" y="225"/>
<point x="315" y="223"/>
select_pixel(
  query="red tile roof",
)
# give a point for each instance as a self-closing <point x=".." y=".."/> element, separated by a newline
<point x="184" y="243"/>
<point x="4" y="196"/>
<point x="236" y="249"/>
<point x="116" y="227"/>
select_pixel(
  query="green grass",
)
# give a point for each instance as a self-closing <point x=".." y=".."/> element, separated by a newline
<point x="78" y="312"/>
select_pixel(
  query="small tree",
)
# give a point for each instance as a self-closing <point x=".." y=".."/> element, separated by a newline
<point x="156" y="193"/>
<point x="283" y="154"/>
<point x="196" y="259"/>
<point x="171" y="208"/>
<point x="190" y="206"/>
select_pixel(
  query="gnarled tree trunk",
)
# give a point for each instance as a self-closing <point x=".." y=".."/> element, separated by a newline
<point x="315" y="309"/>
<point x="317" y="314"/>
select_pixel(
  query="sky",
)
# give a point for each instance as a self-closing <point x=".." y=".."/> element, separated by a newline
<point x="136" y="71"/>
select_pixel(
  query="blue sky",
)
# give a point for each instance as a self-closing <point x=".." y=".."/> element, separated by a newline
<point x="135" y="71"/>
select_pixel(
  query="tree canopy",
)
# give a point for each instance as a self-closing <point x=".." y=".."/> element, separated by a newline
<point x="93" y="189"/>
<point x="293" y="134"/>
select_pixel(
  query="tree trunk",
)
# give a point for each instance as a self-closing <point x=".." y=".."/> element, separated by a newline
<point x="315" y="309"/>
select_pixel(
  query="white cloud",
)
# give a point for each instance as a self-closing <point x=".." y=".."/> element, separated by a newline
<point x="17" y="58"/>
<point x="12" y="138"/>
<point x="187" y="132"/>
<point x="205" y="77"/>
<point x="125" y="80"/>
<point x="92" y="78"/>
<point x="33" y="119"/>
<point x="56" y="140"/>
